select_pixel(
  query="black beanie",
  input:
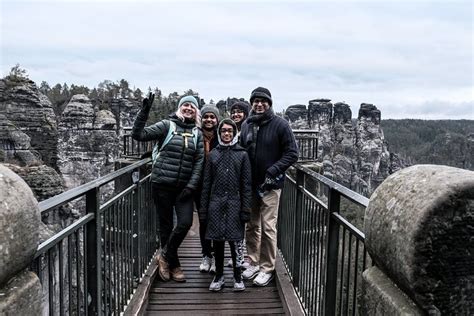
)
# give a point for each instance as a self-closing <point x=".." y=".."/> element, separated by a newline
<point x="241" y="106"/>
<point x="261" y="92"/>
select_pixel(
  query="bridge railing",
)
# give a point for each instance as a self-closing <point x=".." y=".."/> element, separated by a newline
<point x="307" y="141"/>
<point x="323" y="252"/>
<point x="94" y="265"/>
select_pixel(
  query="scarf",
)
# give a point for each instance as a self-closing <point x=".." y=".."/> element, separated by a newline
<point x="208" y="136"/>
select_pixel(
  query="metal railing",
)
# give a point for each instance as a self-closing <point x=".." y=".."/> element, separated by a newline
<point x="324" y="253"/>
<point x="94" y="265"/>
<point x="307" y="141"/>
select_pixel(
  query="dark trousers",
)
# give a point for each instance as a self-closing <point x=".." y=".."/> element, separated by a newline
<point x="206" y="244"/>
<point x="166" y="200"/>
<point x="219" y="255"/>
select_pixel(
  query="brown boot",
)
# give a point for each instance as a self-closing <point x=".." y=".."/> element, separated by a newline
<point x="163" y="268"/>
<point x="178" y="275"/>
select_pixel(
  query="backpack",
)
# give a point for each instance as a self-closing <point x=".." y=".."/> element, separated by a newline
<point x="171" y="132"/>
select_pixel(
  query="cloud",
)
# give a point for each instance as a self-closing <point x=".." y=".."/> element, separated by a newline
<point x="403" y="53"/>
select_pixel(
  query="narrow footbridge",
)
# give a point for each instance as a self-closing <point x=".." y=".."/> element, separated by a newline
<point x="103" y="262"/>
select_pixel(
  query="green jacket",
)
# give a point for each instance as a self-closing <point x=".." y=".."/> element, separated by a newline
<point x="180" y="163"/>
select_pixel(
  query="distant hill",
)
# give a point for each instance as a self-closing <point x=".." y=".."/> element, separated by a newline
<point x="444" y="142"/>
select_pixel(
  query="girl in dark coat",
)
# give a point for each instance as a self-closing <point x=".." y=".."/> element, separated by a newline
<point x="226" y="199"/>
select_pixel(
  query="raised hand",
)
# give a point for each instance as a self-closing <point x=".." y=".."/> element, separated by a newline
<point x="148" y="102"/>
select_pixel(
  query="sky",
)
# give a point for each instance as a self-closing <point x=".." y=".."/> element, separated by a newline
<point x="411" y="59"/>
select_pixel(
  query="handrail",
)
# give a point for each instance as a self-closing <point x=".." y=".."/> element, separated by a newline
<point x="74" y="193"/>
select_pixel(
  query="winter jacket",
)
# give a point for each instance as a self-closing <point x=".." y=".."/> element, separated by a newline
<point x="226" y="193"/>
<point x="270" y="144"/>
<point x="180" y="163"/>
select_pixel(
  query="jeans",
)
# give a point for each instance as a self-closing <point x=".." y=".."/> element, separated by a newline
<point x="171" y="238"/>
<point x="219" y="255"/>
<point x="206" y="244"/>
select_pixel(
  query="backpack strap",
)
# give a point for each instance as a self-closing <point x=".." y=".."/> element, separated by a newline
<point x="156" y="149"/>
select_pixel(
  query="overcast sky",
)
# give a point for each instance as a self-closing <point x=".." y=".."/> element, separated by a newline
<point x="412" y="59"/>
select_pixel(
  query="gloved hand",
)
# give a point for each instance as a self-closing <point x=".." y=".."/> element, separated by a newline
<point x="245" y="216"/>
<point x="186" y="194"/>
<point x="148" y="102"/>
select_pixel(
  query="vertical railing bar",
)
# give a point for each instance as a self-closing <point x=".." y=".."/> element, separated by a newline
<point x="69" y="273"/>
<point x="78" y="272"/>
<point x="51" y="281"/>
<point x="93" y="264"/>
<point x="354" y="291"/>
<point x="115" y="242"/>
<point x="121" y="253"/>
<point x="347" y="297"/>
<point x="332" y="252"/>
<point x="341" y="294"/>
<point x="61" y="279"/>
<point x="85" y="262"/>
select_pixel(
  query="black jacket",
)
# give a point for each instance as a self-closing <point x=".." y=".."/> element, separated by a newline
<point x="180" y="163"/>
<point x="270" y="144"/>
<point x="226" y="194"/>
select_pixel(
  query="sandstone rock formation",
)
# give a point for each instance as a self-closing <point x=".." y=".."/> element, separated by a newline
<point x="31" y="112"/>
<point x="352" y="152"/>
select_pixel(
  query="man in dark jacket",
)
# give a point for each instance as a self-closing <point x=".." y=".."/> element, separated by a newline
<point x="210" y="120"/>
<point x="272" y="149"/>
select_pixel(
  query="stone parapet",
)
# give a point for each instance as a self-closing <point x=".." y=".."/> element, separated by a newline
<point x="419" y="229"/>
<point x="20" y="290"/>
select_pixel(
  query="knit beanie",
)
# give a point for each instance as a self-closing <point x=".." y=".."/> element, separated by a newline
<point x="243" y="106"/>
<point x="211" y="109"/>
<point x="261" y="92"/>
<point x="189" y="99"/>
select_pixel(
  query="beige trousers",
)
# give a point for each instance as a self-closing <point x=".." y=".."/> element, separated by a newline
<point x="261" y="231"/>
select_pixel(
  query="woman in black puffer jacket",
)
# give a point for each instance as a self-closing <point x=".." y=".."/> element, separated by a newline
<point x="175" y="176"/>
<point x="226" y="198"/>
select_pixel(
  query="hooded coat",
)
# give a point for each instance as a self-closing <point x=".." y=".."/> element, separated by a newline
<point x="226" y="194"/>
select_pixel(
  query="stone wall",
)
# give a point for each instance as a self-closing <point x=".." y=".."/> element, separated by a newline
<point x="419" y="229"/>
<point x="20" y="289"/>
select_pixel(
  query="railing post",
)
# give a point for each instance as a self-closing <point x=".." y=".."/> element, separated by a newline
<point x="94" y="255"/>
<point x="297" y="228"/>
<point x="332" y="249"/>
<point x="136" y="214"/>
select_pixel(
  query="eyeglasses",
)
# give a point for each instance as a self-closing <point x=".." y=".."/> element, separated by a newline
<point x="257" y="101"/>
<point x="227" y="130"/>
<point x="236" y="111"/>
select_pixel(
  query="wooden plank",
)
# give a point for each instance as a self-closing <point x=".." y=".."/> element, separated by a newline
<point x="194" y="298"/>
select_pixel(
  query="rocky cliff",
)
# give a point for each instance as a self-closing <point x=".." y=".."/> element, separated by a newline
<point x="351" y="152"/>
<point x="31" y="112"/>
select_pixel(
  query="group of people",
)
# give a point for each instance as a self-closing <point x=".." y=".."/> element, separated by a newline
<point x="232" y="170"/>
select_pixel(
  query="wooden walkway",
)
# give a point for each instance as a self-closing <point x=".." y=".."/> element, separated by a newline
<point x="194" y="297"/>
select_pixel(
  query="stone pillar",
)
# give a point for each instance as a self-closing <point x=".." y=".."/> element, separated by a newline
<point x="419" y="229"/>
<point x="20" y="289"/>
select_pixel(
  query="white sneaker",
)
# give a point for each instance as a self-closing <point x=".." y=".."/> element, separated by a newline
<point x="239" y="286"/>
<point x="213" y="266"/>
<point x="263" y="278"/>
<point x="242" y="264"/>
<point x="229" y="263"/>
<point x="217" y="284"/>
<point x="205" y="265"/>
<point x="250" y="272"/>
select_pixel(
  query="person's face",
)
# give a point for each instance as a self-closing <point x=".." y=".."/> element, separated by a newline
<point x="227" y="133"/>
<point x="260" y="105"/>
<point x="237" y="115"/>
<point x="188" y="111"/>
<point x="209" y="121"/>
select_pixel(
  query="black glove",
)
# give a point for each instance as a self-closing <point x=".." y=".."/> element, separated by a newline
<point x="245" y="216"/>
<point x="148" y="102"/>
<point x="185" y="194"/>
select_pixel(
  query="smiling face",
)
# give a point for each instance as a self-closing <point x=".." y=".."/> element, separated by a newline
<point x="237" y="115"/>
<point x="226" y="133"/>
<point x="260" y="105"/>
<point x="188" y="110"/>
<point x="209" y="121"/>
